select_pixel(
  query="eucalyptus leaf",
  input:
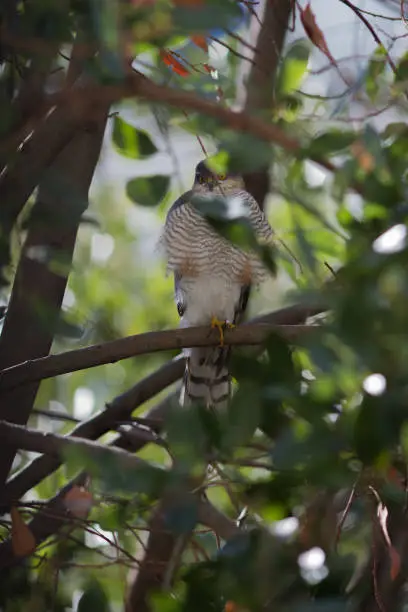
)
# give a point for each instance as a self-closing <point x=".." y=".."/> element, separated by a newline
<point x="201" y="17"/>
<point x="375" y="70"/>
<point x="293" y="68"/>
<point x="130" y="141"/>
<point x="93" y="598"/>
<point x="402" y="69"/>
<point x="147" y="191"/>
<point x="330" y="143"/>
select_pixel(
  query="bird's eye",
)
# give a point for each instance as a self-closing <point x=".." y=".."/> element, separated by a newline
<point x="222" y="177"/>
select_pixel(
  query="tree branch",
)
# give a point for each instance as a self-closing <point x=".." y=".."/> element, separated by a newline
<point x="163" y="546"/>
<point x="19" y="178"/>
<point x="89" y="98"/>
<point x="56" y="445"/>
<point x="261" y="79"/>
<point x="217" y="521"/>
<point x="116" y="350"/>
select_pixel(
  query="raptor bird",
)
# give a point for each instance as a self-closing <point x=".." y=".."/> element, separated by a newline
<point x="212" y="277"/>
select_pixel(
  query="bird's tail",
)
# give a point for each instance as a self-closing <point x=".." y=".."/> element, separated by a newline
<point x="207" y="379"/>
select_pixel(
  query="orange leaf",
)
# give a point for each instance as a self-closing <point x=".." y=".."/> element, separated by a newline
<point x="22" y="538"/>
<point x="364" y="158"/>
<point x="395" y="563"/>
<point x="395" y="477"/>
<point x="231" y="606"/>
<point x="78" y="501"/>
<point x="169" y="59"/>
<point x="314" y="32"/>
<point x="200" y="41"/>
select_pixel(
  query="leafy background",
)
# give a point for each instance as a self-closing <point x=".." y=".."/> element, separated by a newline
<point x="314" y="443"/>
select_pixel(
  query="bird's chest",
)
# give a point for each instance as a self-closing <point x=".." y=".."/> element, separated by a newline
<point x="208" y="296"/>
<point x="194" y="248"/>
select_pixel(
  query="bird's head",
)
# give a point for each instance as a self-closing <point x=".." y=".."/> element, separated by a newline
<point x="223" y="184"/>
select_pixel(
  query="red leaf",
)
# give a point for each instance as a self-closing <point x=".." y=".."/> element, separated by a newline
<point x="208" y="68"/>
<point x="169" y="59"/>
<point x="200" y="41"/>
<point x="78" y="501"/>
<point x="22" y="538"/>
<point x="364" y="158"/>
<point x="395" y="563"/>
<point x="314" y="32"/>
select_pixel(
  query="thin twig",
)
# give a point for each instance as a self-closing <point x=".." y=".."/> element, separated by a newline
<point x="54" y="414"/>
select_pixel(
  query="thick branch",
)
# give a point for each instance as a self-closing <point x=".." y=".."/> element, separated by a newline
<point x="164" y="547"/>
<point x="116" y="350"/>
<point x="211" y="517"/>
<point x="57" y="445"/>
<point x="90" y="97"/>
<point x="19" y="178"/>
<point x="160" y="548"/>
<point x="261" y="79"/>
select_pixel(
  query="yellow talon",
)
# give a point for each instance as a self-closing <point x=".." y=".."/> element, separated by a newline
<point x="221" y="325"/>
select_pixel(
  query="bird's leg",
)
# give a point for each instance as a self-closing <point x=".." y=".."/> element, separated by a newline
<point x="221" y="326"/>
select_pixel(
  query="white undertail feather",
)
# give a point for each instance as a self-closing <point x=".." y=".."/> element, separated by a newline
<point x="206" y="379"/>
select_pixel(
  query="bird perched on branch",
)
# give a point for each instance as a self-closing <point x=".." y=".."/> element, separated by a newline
<point x="212" y="275"/>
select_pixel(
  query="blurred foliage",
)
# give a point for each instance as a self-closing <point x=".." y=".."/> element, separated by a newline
<point x="309" y="423"/>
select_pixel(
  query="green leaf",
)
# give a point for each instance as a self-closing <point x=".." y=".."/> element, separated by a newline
<point x="376" y="68"/>
<point x="212" y="14"/>
<point x="164" y="602"/>
<point x="182" y="515"/>
<point x="330" y="143"/>
<point x="280" y="361"/>
<point x="93" y="598"/>
<point x="190" y="434"/>
<point x="378" y="426"/>
<point x="243" y="416"/>
<point x="402" y="69"/>
<point x="395" y="129"/>
<point x="147" y="191"/>
<point x="116" y="474"/>
<point x="109" y="517"/>
<point x="293" y="68"/>
<point x="230" y="218"/>
<point x="246" y="152"/>
<point x="131" y="141"/>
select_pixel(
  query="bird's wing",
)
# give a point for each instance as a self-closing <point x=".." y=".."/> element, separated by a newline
<point x="178" y="295"/>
